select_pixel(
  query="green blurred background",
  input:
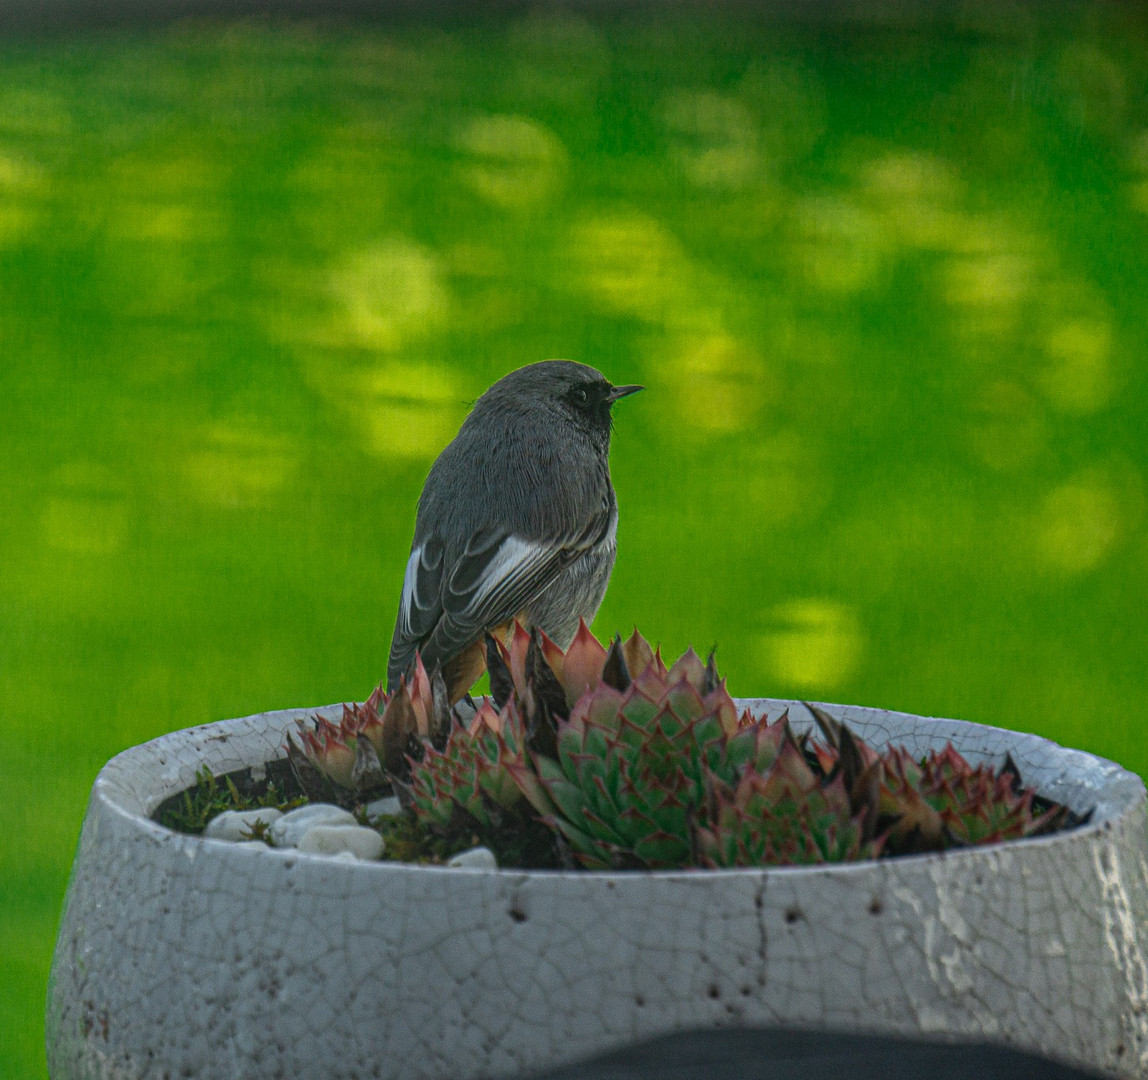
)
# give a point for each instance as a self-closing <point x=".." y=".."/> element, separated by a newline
<point x="886" y="279"/>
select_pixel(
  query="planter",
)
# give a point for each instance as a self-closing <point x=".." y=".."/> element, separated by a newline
<point x="183" y="956"/>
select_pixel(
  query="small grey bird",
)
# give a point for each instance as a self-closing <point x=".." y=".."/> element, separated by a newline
<point x="517" y="519"/>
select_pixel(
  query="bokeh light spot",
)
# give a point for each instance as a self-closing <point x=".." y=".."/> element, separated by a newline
<point x="1078" y="377"/>
<point x="634" y="267"/>
<point x="390" y="293"/>
<point x="917" y="195"/>
<point x="516" y="162"/>
<point x="815" y="643"/>
<point x="405" y="410"/>
<point x="714" y="139"/>
<point x="239" y="465"/>
<point x="991" y="280"/>
<point x="841" y="247"/>
<point x="717" y="383"/>
<point x="1080" y="524"/>
<point x="21" y="181"/>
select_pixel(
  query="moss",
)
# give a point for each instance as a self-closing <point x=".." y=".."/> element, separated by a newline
<point x="408" y="840"/>
<point x="518" y="840"/>
<point x="192" y="809"/>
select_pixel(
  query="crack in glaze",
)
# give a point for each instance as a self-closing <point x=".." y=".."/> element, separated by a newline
<point x="1120" y="933"/>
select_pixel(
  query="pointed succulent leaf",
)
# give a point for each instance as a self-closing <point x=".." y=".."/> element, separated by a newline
<point x="530" y="784"/>
<point x="330" y="753"/>
<point x="568" y="798"/>
<point x="422" y="698"/>
<point x="377" y="699"/>
<point x="865" y="798"/>
<point x="740" y="751"/>
<point x="545" y="696"/>
<point x="712" y="679"/>
<point x="571" y="743"/>
<point x="516" y="644"/>
<point x="349" y="720"/>
<point x="644" y="694"/>
<point x="440" y="715"/>
<point x="600" y="707"/>
<point x="555" y="657"/>
<point x="369" y="721"/>
<point x="366" y="772"/>
<point x="637" y="653"/>
<point x="1010" y="769"/>
<point x="789" y="776"/>
<point x="828" y="759"/>
<point x="614" y="670"/>
<point x="486" y="717"/>
<point x="683" y="698"/>
<point x="498" y="783"/>
<point x="771" y="738"/>
<point x="314" y="784"/>
<point x="582" y="668"/>
<point x="498" y="665"/>
<point x="398" y="726"/>
<point x="659" y="665"/>
<point x="689" y="666"/>
<point x="718" y="703"/>
<point x="830" y="726"/>
<point x="854" y="756"/>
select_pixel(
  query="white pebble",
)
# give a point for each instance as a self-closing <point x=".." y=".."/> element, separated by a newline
<point x="475" y="858"/>
<point x="388" y="807"/>
<point x="237" y="824"/>
<point x="289" y="829"/>
<point x="355" y="840"/>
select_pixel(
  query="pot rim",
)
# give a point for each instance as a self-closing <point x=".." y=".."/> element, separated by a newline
<point x="1117" y="791"/>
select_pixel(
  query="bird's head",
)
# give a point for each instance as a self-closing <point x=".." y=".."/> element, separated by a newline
<point x="562" y="389"/>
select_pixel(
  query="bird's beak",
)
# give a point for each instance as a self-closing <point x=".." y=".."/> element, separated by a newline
<point x="621" y="392"/>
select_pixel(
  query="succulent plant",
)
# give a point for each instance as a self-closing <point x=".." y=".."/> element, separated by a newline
<point x="787" y="815"/>
<point x="605" y="757"/>
<point x="369" y="745"/>
<point x="655" y="768"/>
<point x="471" y="773"/>
<point x="627" y="781"/>
<point x="938" y="802"/>
<point x="486" y="766"/>
<point x="944" y="801"/>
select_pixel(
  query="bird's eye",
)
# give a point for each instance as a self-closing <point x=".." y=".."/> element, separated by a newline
<point x="580" y="396"/>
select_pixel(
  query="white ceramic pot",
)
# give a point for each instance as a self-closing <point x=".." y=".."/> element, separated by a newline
<point x="179" y="956"/>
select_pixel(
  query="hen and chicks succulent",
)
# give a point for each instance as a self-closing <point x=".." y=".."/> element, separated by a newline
<point x="607" y="758"/>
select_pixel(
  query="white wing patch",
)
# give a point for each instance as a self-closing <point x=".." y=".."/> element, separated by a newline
<point x="410" y="589"/>
<point x="611" y="539"/>
<point x="513" y="558"/>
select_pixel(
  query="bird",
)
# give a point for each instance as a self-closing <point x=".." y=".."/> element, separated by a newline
<point x="517" y="520"/>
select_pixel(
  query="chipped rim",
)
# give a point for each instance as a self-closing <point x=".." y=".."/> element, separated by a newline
<point x="1080" y="779"/>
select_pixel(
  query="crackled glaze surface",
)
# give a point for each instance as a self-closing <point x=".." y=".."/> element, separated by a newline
<point x="183" y="956"/>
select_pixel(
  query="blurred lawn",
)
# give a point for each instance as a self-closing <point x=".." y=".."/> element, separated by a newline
<point x="887" y="284"/>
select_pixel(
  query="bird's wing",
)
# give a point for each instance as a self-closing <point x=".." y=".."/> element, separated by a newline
<point x="445" y="609"/>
